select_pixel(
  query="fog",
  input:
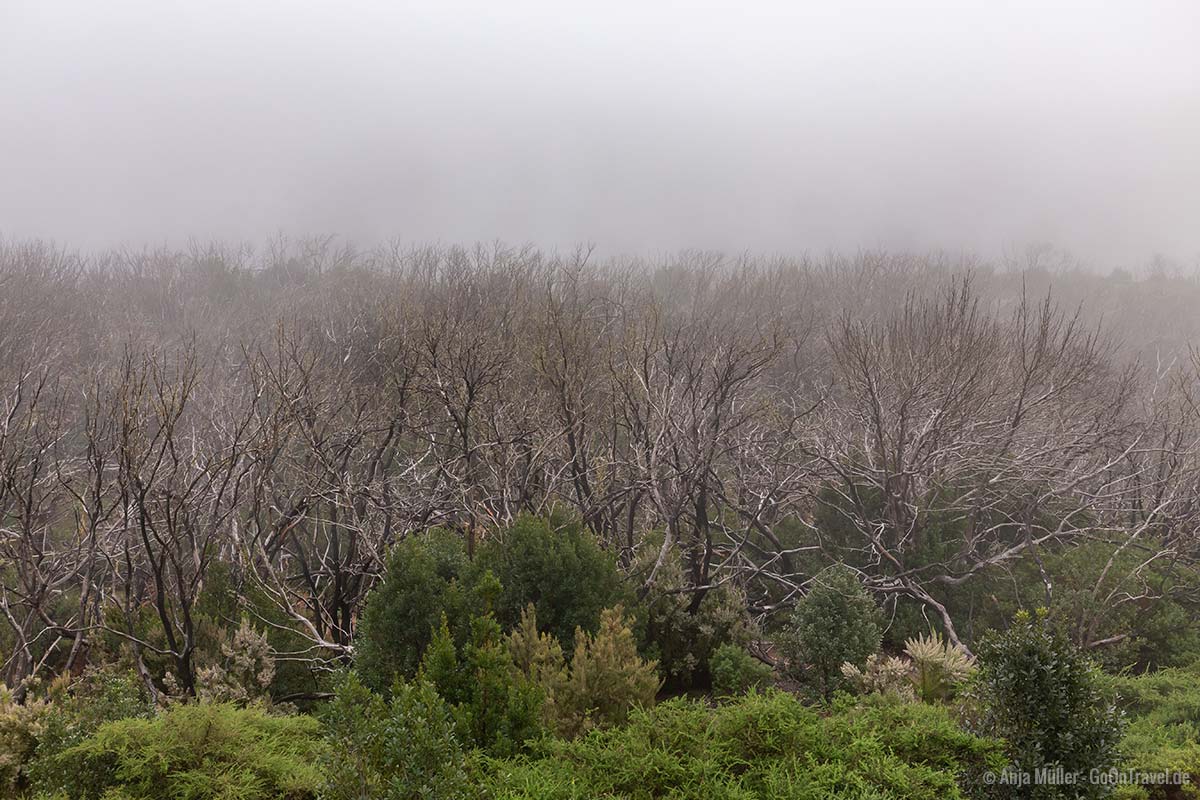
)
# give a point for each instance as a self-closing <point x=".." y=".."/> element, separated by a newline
<point x="770" y="127"/>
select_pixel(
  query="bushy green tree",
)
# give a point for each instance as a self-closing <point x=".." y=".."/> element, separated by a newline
<point x="837" y="622"/>
<point x="557" y="565"/>
<point x="608" y="678"/>
<point x="420" y="586"/>
<point x="402" y="748"/>
<point x="1045" y="698"/>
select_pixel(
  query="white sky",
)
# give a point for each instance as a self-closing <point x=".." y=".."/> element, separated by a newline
<point x="651" y="126"/>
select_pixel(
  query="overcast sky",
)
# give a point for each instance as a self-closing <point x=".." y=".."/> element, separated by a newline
<point x="638" y="126"/>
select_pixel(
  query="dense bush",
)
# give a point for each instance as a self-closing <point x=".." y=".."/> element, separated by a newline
<point x="836" y="623"/>
<point x="21" y="725"/>
<point x="608" y="678"/>
<point x="734" y="671"/>
<point x="682" y="634"/>
<point x="766" y="747"/>
<point x="557" y="566"/>
<point x="194" y="752"/>
<point x="402" y="748"/>
<point x="1046" y="700"/>
<point x="420" y="586"/>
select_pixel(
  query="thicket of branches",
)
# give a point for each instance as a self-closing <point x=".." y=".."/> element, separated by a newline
<point x="931" y="422"/>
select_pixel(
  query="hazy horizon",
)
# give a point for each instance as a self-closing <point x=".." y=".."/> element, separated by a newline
<point x="764" y="127"/>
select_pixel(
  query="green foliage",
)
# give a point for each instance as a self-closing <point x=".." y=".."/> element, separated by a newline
<point x="682" y="636"/>
<point x="735" y="671"/>
<point x="104" y="694"/>
<point x="496" y="707"/>
<point x="606" y="679"/>
<point x="759" y="747"/>
<point x="1046" y="699"/>
<point x="1163" y="735"/>
<point x="502" y="709"/>
<point x="539" y="657"/>
<point x="837" y="622"/>
<point x="194" y="752"/>
<point x="21" y="725"/>
<point x="558" y="567"/>
<point x="403" y="748"/>
<point x="420" y="586"/>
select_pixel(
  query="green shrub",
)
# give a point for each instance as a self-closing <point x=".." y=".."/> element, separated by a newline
<point x="836" y="623"/>
<point x="606" y="679"/>
<point x="681" y="635"/>
<point x="21" y="725"/>
<point x="1046" y="699"/>
<point x="734" y="671"/>
<point x="403" y="748"/>
<point x="559" y="568"/>
<point x="1163" y="735"/>
<point x="194" y="752"/>
<point x="759" y="747"/>
<point x="100" y="695"/>
<point x="420" y="586"/>
<point x="496" y="707"/>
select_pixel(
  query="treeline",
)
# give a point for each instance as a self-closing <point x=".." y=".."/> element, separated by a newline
<point x="275" y="423"/>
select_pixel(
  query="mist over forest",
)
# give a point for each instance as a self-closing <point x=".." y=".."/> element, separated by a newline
<point x="532" y="401"/>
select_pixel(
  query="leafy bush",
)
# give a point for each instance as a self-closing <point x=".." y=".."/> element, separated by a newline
<point x="608" y="678"/>
<point x="1046" y="699"/>
<point x="734" y="671"/>
<point x="194" y="752"/>
<point x="420" y="586"/>
<point x="21" y="725"/>
<point x="681" y="635"/>
<point x="403" y="748"/>
<point x="767" y="747"/>
<point x="559" y="568"/>
<point x="837" y="622"/>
